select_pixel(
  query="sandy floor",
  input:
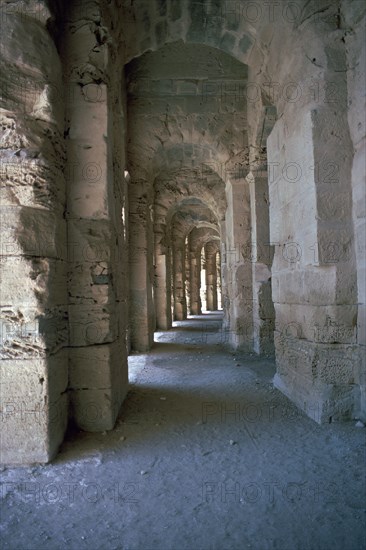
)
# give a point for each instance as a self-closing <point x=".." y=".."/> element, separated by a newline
<point x="205" y="455"/>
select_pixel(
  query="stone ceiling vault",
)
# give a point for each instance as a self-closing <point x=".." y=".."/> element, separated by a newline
<point x="187" y="124"/>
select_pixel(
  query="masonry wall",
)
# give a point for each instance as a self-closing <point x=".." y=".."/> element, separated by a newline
<point x="34" y="309"/>
<point x="93" y="259"/>
<point x="64" y="228"/>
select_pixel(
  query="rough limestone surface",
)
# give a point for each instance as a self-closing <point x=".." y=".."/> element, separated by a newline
<point x="34" y="310"/>
<point x="164" y="158"/>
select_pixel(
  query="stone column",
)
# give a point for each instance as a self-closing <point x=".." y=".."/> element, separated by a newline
<point x="34" y="316"/>
<point x="211" y="276"/>
<point x="225" y="282"/>
<point x="162" y="279"/>
<point x="195" y="279"/>
<point x="180" y="305"/>
<point x="142" y="316"/>
<point x="219" y="279"/>
<point x="356" y="53"/>
<point x="238" y="268"/>
<point x="187" y="276"/>
<point x="260" y="254"/>
<point x="95" y="200"/>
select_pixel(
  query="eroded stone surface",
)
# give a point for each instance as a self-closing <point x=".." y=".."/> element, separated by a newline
<point x="159" y="158"/>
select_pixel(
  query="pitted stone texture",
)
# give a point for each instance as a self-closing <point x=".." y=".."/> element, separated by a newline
<point x="27" y="333"/>
<point x="354" y="14"/>
<point x="92" y="324"/>
<point x="34" y="317"/>
<point x="96" y="406"/>
<point x="96" y="213"/>
<point x="45" y="235"/>
<point x="33" y="401"/>
<point x="98" y="384"/>
<point x="214" y="91"/>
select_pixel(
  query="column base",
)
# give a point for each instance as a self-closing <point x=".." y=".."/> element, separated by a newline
<point x="99" y="384"/>
<point x="318" y="378"/>
<point x="34" y="408"/>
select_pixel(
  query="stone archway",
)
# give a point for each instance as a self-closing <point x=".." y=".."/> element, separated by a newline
<point x="76" y="267"/>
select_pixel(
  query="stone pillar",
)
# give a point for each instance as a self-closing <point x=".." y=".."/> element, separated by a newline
<point x="187" y="276"/>
<point x="142" y="316"/>
<point x="195" y="279"/>
<point x="225" y="282"/>
<point x="34" y="316"/>
<point x="239" y="269"/>
<point x="219" y="279"/>
<point x="211" y="276"/>
<point x="314" y="286"/>
<point x="95" y="200"/>
<point x="260" y="254"/>
<point x="180" y="305"/>
<point x="162" y="280"/>
<point x="356" y="54"/>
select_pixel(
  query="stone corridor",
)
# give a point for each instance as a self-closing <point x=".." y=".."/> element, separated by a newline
<point x="183" y="273"/>
<point x="206" y="455"/>
<point x="160" y="156"/>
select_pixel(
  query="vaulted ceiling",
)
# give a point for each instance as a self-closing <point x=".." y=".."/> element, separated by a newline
<point x="187" y="128"/>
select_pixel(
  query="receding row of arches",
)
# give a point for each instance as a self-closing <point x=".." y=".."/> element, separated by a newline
<point x="135" y="154"/>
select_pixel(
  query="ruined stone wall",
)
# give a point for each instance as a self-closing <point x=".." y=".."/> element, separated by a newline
<point x="273" y="121"/>
<point x="64" y="234"/>
<point x="34" y="308"/>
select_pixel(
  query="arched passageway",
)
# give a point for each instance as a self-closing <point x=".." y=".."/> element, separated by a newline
<point x="151" y="131"/>
<point x="183" y="273"/>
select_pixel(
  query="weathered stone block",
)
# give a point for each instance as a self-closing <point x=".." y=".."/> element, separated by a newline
<point x="323" y="403"/>
<point x="33" y="281"/>
<point x="45" y="235"/>
<point x="91" y="324"/>
<point x="161" y="32"/>
<point x="90" y="283"/>
<point x="87" y="241"/>
<point x="96" y="410"/>
<point x="32" y="182"/>
<point x="28" y="332"/>
<point x="319" y="378"/>
<point x="328" y="324"/>
<point x="361" y="325"/>
<point x="334" y="246"/>
<point x="246" y="43"/>
<point x="33" y="408"/>
<point x="96" y="367"/>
